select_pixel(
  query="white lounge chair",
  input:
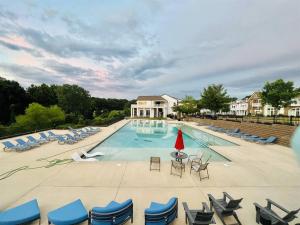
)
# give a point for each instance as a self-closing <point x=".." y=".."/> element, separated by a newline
<point x="91" y="155"/>
<point x="76" y="157"/>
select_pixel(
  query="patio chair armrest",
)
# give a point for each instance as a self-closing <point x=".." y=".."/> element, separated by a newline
<point x="187" y="211"/>
<point x="214" y="201"/>
<point x="270" y="202"/>
<point x="269" y="213"/>
<point x="226" y="195"/>
<point x="205" y="207"/>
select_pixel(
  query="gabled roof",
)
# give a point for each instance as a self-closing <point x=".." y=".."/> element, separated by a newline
<point x="150" y="98"/>
<point x="255" y="94"/>
<point x="171" y="97"/>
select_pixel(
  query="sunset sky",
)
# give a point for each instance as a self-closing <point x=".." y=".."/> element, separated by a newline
<point x="127" y="48"/>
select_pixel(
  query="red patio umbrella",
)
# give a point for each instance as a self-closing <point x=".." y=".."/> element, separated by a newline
<point x="179" y="145"/>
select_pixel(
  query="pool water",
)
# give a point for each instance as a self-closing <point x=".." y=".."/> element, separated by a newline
<point x="140" y="139"/>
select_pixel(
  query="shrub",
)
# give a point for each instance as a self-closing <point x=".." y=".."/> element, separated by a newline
<point x="39" y="117"/>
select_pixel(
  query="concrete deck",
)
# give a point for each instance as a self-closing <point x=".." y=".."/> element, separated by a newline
<point x="256" y="172"/>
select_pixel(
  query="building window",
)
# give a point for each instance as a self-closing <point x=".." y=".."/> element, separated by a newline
<point x="141" y="113"/>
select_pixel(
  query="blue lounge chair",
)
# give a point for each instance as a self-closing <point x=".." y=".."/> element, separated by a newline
<point x="62" y="140"/>
<point x="44" y="136"/>
<point x="52" y="135"/>
<point x="235" y="131"/>
<point x="86" y="130"/>
<point x="97" y="129"/>
<point x="10" y="146"/>
<point x="33" y="140"/>
<point x="159" y="214"/>
<point x="269" y="140"/>
<point x="250" y="138"/>
<point x="240" y="134"/>
<point x="21" y="142"/>
<point x="38" y="140"/>
<point x="113" y="213"/>
<point x="81" y="135"/>
<point x="72" y="213"/>
<point x="22" y="214"/>
<point x="72" y="138"/>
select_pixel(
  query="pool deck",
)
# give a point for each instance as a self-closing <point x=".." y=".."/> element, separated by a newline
<point x="256" y="172"/>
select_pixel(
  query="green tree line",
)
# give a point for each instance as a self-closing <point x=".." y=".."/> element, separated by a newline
<point x="215" y="98"/>
<point x="45" y="106"/>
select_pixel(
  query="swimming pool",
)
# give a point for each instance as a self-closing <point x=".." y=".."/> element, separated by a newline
<point x="140" y="139"/>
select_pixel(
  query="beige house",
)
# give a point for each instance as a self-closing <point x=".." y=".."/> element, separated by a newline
<point x="255" y="104"/>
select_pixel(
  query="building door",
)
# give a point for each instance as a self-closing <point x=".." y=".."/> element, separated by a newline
<point x="141" y="113"/>
<point x="135" y="112"/>
<point x="160" y="112"/>
<point x="147" y="112"/>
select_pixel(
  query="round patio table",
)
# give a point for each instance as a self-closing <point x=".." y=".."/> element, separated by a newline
<point x="179" y="157"/>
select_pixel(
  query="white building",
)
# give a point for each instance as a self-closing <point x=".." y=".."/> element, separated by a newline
<point x="154" y="106"/>
<point x="294" y="109"/>
<point x="239" y="107"/>
<point x="270" y="111"/>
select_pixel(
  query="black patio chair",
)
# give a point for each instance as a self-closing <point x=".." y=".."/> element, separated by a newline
<point x="202" y="216"/>
<point x="267" y="216"/>
<point x="225" y="206"/>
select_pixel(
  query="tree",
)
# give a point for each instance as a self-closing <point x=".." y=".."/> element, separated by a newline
<point x="74" y="99"/>
<point x="187" y="106"/>
<point x="13" y="100"/>
<point x="43" y="94"/>
<point x="279" y="94"/>
<point x="40" y="117"/>
<point x="214" y="98"/>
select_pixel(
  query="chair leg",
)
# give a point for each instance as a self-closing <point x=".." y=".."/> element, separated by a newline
<point x="237" y="219"/>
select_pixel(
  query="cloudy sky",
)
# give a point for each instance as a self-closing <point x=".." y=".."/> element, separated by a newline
<point x="127" y="48"/>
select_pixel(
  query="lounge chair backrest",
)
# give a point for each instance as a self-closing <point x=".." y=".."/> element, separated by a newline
<point x="61" y="138"/>
<point x="271" y="139"/>
<point x="32" y="139"/>
<point x="8" y="144"/>
<point x="117" y="214"/>
<point x="43" y="135"/>
<point x="291" y="215"/>
<point x="234" y="204"/>
<point x="21" y="141"/>
<point x="70" y="136"/>
<point x="165" y="213"/>
<point x="51" y="133"/>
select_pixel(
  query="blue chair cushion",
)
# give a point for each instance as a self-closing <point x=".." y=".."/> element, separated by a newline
<point x="71" y="213"/>
<point x="111" y="208"/>
<point x="24" y="213"/>
<point x="156" y="208"/>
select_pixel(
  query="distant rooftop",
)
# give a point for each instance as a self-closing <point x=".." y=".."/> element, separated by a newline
<point x="150" y="98"/>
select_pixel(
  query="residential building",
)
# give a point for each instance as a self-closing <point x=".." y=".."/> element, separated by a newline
<point x="294" y="109"/>
<point x="255" y="104"/>
<point x="269" y="110"/>
<point x="154" y="106"/>
<point x="239" y="107"/>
